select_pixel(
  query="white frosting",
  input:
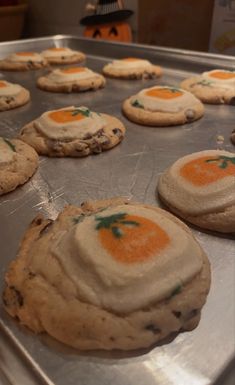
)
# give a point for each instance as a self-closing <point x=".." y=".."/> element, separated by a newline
<point x="187" y="100"/>
<point x="125" y="64"/>
<point x="104" y="281"/>
<point x="221" y="83"/>
<point x="49" y="53"/>
<point x="6" y="154"/>
<point x="57" y="76"/>
<point x="10" y="90"/>
<point x="71" y="130"/>
<point x="24" y="59"/>
<point x="193" y="199"/>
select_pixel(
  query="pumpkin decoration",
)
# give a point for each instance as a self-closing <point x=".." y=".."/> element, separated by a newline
<point x="108" y="22"/>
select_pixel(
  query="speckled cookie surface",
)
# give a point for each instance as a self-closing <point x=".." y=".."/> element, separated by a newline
<point x="74" y="79"/>
<point x="132" y="68"/>
<point x="215" y="87"/>
<point x="200" y="188"/>
<point x="163" y="106"/>
<point x="60" y="134"/>
<point x="18" y="162"/>
<point x="12" y="95"/>
<point x="23" y="61"/>
<point x="48" y="286"/>
<point x="63" y="55"/>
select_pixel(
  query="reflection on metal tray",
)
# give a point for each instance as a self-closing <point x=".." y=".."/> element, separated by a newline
<point x="131" y="170"/>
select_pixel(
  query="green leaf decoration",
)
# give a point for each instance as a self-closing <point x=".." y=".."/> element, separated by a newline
<point x="176" y="290"/>
<point x="137" y="104"/>
<point x="78" y="219"/>
<point x="205" y="83"/>
<point x="224" y="161"/>
<point x="116" y="232"/>
<point x="174" y="89"/>
<point x="113" y="222"/>
<point x="8" y="142"/>
<point x="78" y="111"/>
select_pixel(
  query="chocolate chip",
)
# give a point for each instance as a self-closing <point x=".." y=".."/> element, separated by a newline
<point x="177" y="314"/>
<point x="18" y="295"/>
<point x="31" y="275"/>
<point x="153" y="328"/>
<point x="37" y="221"/>
<point x="46" y="227"/>
<point x="104" y="140"/>
<point x="87" y="136"/>
<point x="190" y="114"/>
<point x="96" y="147"/>
<point x="117" y="132"/>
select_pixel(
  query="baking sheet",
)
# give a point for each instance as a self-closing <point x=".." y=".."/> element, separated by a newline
<point x="131" y="170"/>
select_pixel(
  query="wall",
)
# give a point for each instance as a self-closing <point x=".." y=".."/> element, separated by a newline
<point x="176" y="23"/>
<point x="49" y="17"/>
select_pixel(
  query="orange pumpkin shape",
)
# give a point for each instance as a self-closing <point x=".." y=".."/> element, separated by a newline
<point x="131" y="238"/>
<point x="208" y="169"/>
<point x="117" y="31"/>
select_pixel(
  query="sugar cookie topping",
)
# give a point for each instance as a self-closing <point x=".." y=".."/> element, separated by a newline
<point x="201" y="182"/>
<point x="69" y="123"/>
<point x="218" y="78"/>
<point x="223" y="75"/>
<point x="58" y="52"/>
<point x="129" y="63"/>
<point x="208" y="169"/>
<point x="127" y="256"/>
<point x="70" y="74"/>
<point x="9" y="89"/>
<point x="25" y="57"/>
<point x="164" y="98"/>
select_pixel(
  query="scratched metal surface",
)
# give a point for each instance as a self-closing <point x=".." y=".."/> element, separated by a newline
<point x="132" y="170"/>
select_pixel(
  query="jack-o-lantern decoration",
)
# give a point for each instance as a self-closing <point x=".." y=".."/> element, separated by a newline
<point x="108" y="22"/>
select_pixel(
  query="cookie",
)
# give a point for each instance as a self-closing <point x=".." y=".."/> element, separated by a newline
<point x="12" y="95"/>
<point x="163" y="106"/>
<point x="73" y="131"/>
<point x="74" y="79"/>
<point x="18" y="162"/>
<point x="63" y="55"/>
<point x="132" y="68"/>
<point x="23" y="61"/>
<point x="200" y="188"/>
<point x="215" y="87"/>
<point x="108" y="275"/>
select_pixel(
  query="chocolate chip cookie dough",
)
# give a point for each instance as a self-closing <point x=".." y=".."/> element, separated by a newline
<point x="12" y="95"/>
<point x="200" y="188"/>
<point x="23" y="61"/>
<point x="73" y="79"/>
<point x="163" y="106"/>
<point x="132" y="68"/>
<point x="63" y="55"/>
<point x="215" y="87"/>
<point x="108" y="275"/>
<point x="73" y="131"/>
<point x="18" y="162"/>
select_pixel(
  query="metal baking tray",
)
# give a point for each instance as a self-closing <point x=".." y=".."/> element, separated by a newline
<point x="131" y="170"/>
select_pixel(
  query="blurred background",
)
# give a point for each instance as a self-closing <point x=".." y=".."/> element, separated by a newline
<point x="204" y="25"/>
